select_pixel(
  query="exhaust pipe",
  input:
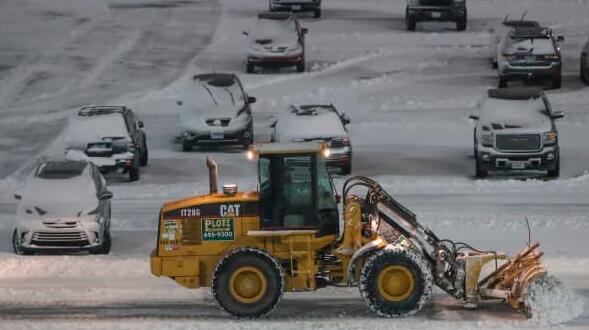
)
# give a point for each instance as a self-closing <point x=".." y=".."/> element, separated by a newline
<point x="213" y="174"/>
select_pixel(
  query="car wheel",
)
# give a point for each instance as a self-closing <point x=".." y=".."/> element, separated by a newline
<point x="480" y="172"/>
<point x="410" y="21"/>
<point x="104" y="248"/>
<point x="16" y="247"/>
<point x="186" y="145"/>
<point x="133" y="174"/>
<point x="317" y="13"/>
<point x="249" y="68"/>
<point x="144" y="156"/>
<point x="555" y="173"/>
<point x="346" y="169"/>
<point x="503" y="82"/>
<point x="557" y="83"/>
<point x="461" y="23"/>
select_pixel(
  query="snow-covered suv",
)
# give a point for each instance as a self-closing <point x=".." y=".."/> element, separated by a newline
<point x="502" y="35"/>
<point x="276" y="39"/>
<point x="436" y="10"/>
<point x="109" y="136"/>
<point x="296" y="6"/>
<point x="64" y="206"/>
<point x="515" y="130"/>
<point x="530" y="53"/>
<point x="217" y="112"/>
<point x="314" y="122"/>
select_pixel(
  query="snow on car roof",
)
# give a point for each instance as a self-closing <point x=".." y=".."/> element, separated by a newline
<point x="265" y="28"/>
<point x="217" y="93"/>
<point x="87" y="129"/>
<point x="320" y="122"/>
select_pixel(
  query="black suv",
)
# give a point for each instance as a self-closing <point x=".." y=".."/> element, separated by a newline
<point x="111" y="137"/>
<point x="436" y="10"/>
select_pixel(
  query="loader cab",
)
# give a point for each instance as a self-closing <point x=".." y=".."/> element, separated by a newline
<point x="296" y="190"/>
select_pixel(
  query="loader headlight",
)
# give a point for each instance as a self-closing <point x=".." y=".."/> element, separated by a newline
<point x="251" y="155"/>
<point x="326" y="152"/>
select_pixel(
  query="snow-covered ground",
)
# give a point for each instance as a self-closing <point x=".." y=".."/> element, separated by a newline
<point x="408" y="96"/>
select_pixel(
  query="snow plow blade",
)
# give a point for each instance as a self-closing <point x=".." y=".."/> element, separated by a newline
<point x="510" y="281"/>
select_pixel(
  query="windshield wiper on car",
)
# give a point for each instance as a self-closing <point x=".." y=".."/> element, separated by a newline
<point x="210" y="93"/>
<point x="230" y="94"/>
<point x="40" y="211"/>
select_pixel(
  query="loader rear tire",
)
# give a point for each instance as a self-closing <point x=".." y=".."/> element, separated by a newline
<point x="395" y="282"/>
<point x="248" y="283"/>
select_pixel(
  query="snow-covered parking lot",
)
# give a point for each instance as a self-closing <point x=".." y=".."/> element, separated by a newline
<point x="408" y="94"/>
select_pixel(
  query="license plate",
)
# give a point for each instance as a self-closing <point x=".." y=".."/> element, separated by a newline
<point x="217" y="136"/>
<point x="436" y="14"/>
<point x="295" y="7"/>
<point x="518" y="165"/>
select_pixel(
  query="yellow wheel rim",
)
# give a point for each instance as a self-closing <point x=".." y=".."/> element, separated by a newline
<point x="395" y="283"/>
<point x="248" y="284"/>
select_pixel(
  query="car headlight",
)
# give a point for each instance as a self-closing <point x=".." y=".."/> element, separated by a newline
<point x="487" y="139"/>
<point x="549" y="138"/>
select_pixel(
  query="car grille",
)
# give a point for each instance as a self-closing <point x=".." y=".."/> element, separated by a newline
<point x="223" y="121"/>
<point x="276" y="49"/>
<point x="518" y="142"/>
<point x="67" y="224"/>
<point x="60" y="239"/>
<point x="435" y="2"/>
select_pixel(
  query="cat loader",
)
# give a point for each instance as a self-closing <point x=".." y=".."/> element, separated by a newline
<point x="251" y="247"/>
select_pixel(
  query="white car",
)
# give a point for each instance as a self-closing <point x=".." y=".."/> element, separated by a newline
<point x="315" y="122"/>
<point x="502" y="34"/>
<point x="276" y="39"/>
<point x="64" y="206"/>
<point x="217" y="112"/>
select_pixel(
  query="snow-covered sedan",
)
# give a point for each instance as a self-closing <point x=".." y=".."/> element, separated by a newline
<point x="216" y="113"/>
<point x="531" y="53"/>
<point x="313" y="122"/>
<point x="276" y="39"/>
<point x="64" y="206"/>
<point x="111" y="137"/>
<point x="502" y="35"/>
<point x="515" y="130"/>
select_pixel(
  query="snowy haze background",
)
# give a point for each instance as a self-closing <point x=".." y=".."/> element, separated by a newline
<point x="408" y="96"/>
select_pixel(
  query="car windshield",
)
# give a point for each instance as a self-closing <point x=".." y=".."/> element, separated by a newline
<point x="60" y="170"/>
<point x="267" y="31"/>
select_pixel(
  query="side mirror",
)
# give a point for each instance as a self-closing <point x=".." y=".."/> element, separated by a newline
<point x="180" y="103"/>
<point x="474" y="117"/>
<point x="17" y="197"/>
<point x="304" y="30"/>
<point x="251" y="99"/>
<point x="140" y="124"/>
<point x="245" y="33"/>
<point x="560" y="39"/>
<point x="345" y="119"/>
<point x="338" y="198"/>
<point x="557" y="115"/>
<point x="106" y="195"/>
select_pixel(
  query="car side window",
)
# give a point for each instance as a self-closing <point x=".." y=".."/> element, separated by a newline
<point x="97" y="180"/>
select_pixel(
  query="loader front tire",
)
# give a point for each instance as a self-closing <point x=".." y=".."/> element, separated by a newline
<point x="248" y="283"/>
<point x="395" y="282"/>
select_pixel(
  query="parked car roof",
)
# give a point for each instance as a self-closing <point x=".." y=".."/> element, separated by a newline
<point x="308" y="122"/>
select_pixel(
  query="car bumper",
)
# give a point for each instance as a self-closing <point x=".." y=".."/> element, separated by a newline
<point x="492" y="160"/>
<point x="530" y="73"/>
<point x="436" y="13"/>
<point x="239" y="136"/>
<point x="275" y="60"/>
<point x="296" y="6"/>
<point x="70" y="239"/>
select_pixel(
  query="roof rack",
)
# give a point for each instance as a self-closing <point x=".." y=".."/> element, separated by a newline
<point x="531" y="32"/>
<point x="522" y="23"/>
<point x="94" y="110"/>
<point x="515" y="93"/>
<point x="275" y="15"/>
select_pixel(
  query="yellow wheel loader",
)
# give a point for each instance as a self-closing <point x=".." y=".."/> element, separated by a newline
<point x="251" y="247"/>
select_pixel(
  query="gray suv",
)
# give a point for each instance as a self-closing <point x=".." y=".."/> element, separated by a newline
<point x="436" y="10"/>
<point x="515" y="130"/>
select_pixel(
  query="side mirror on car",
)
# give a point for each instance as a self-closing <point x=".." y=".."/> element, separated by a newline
<point x="304" y="30"/>
<point x="557" y="115"/>
<point x="17" y="197"/>
<point x="251" y="99"/>
<point x="345" y="119"/>
<point x="245" y="33"/>
<point x="106" y="195"/>
<point x="140" y="124"/>
<point x="180" y="103"/>
<point x="560" y="39"/>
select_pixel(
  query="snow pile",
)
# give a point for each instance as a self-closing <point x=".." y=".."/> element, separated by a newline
<point x="551" y="302"/>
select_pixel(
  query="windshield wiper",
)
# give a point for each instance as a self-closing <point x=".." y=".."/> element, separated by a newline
<point x="210" y="93"/>
<point x="230" y="94"/>
<point x="40" y="211"/>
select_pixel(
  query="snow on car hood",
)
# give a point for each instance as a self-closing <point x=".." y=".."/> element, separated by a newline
<point x="517" y="115"/>
<point x="82" y="130"/>
<point x="269" y="33"/>
<point x="210" y="102"/>
<point x="293" y="128"/>
<point x="51" y="198"/>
